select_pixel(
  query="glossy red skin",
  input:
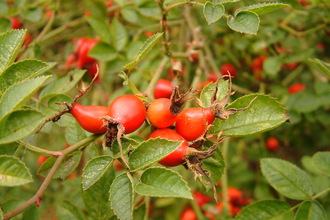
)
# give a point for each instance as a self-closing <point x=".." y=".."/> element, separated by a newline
<point x="89" y="117"/>
<point x="294" y="88"/>
<point x="159" y="113"/>
<point x="83" y="49"/>
<point x="190" y="123"/>
<point x="272" y="144"/>
<point x="201" y="199"/>
<point x="129" y="111"/>
<point x="188" y="214"/>
<point x="15" y="23"/>
<point x="163" y="89"/>
<point x="175" y="158"/>
<point x="228" y="67"/>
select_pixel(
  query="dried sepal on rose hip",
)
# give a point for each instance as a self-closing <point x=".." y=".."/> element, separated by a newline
<point x="178" y="100"/>
<point x="218" y="105"/>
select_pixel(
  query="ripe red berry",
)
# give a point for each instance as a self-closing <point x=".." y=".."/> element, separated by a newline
<point x="129" y="111"/>
<point x="188" y="214"/>
<point x="192" y="122"/>
<point x="257" y="66"/>
<point x="41" y="159"/>
<point x="201" y="198"/>
<point x="83" y="47"/>
<point x="71" y="60"/>
<point x="159" y="113"/>
<point x="177" y="157"/>
<point x="294" y="88"/>
<point x="163" y="89"/>
<point x="89" y="117"/>
<point x="15" y="23"/>
<point x="228" y="68"/>
<point x="272" y="144"/>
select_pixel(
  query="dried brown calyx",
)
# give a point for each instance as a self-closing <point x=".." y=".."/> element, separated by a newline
<point x="178" y="100"/>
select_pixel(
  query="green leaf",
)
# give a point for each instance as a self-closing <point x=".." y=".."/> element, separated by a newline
<point x="140" y="213"/>
<point x="74" y="132"/>
<point x="94" y="170"/>
<point x="8" y="149"/>
<point x="122" y="197"/>
<point x="67" y="211"/>
<point x="266" y="209"/>
<point x="96" y="8"/>
<point x="130" y="65"/>
<point x="287" y="178"/>
<point x="224" y="1"/>
<point x="322" y="162"/>
<point x="103" y="52"/>
<point x="127" y="145"/>
<point x="162" y="182"/>
<point x="101" y="27"/>
<point x="309" y="165"/>
<point x="150" y="9"/>
<point x="96" y="197"/>
<point x="16" y="95"/>
<point x="31" y="213"/>
<point x="151" y="151"/>
<point x="32" y="14"/>
<point x="245" y="22"/>
<point x="272" y="65"/>
<point x="62" y="85"/>
<point x="3" y="10"/>
<point x="130" y="15"/>
<point x="119" y="35"/>
<point x="19" y="124"/>
<point x="208" y="90"/>
<point x="311" y="210"/>
<point x="5" y="25"/>
<point x="265" y="113"/>
<point x="10" y="43"/>
<point x="262" y="8"/>
<point x="13" y="172"/>
<point x="1" y="215"/>
<point x="67" y="166"/>
<point x="213" y="12"/>
<point x="303" y="101"/>
<point x="215" y="164"/>
<point x="20" y="71"/>
<point x="321" y="65"/>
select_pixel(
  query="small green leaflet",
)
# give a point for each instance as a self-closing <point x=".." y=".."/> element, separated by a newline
<point x="213" y="12"/>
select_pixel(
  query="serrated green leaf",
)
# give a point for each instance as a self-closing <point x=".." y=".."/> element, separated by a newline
<point x="264" y="113"/>
<point x="311" y="210"/>
<point x="20" y="71"/>
<point x="244" y="22"/>
<point x="18" y="124"/>
<point x="13" y="172"/>
<point x="224" y="1"/>
<point x="266" y="210"/>
<point x="151" y="151"/>
<point x="213" y="12"/>
<point x="103" y="52"/>
<point x="162" y="182"/>
<point x="32" y="14"/>
<point x="68" y="211"/>
<point x="74" y="132"/>
<point x="62" y="85"/>
<point x="10" y="43"/>
<point x="130" y="65"/>
<point x="119" y="35"/>
<point x="147" y="46"/>
<point x="94" y="170"/>
<point x="287" y="178"/>
<point x="127" y="145"/>
<point x="101" y="27"/>
<point x="208" y="90"/>
<point x="322" y="162"/>
<point x="321" y="65"/>
<point x="67" y="166"/>
<point x="262" y="8"/>
<point x="96" y="197"/>
<point x="60" y="98"/>
<point x="122" y="197"/>
<point x="16" y="95"/>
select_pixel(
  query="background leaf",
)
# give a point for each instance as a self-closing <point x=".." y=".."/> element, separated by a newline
<point x="245" y="22"/>
<point x="262" y="8"/>
<point x="100" y="26"/>
<point x="74" y="132"/>
<point x="265" y="113"/>
<point x="322" y="162"/>
<point x="122" y="197"/>
<point x="119" y="35"/>
<point x="68" y="211"/>
<point x="103" y="52"/>
<point x="162" y="182"/>
<point x="13" y="172"/>
<point x="266" y="209"/>
<point x="287" y="178"/>
<point x="94" y="170"/>
<point x="151" y="151"/>
<point x="311" y="210"/>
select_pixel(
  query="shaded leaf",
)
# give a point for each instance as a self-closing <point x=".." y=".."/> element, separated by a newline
<point x="140" y="213"/>
<point x="101" y="27"/>
<point x="119" y="35"/>
<point x="262" y="8"/>
<point x="151" y="151"/>
<point x="245" y="22"/>
<point x="213" y="12"/>
<point x="122" y="197"/>
<point x="68" y="211"/>
<point x="127" y="144"/>
<point x="162" y="182"/>
<point x="266" y="210"/>
<point x="322" y="162"/>
<point x="208" y="90"/>
<point x="74" y="132"/>
<point x="103" y="52"/>
<point x="8" y="149"/>
<point x="321" y="65"/>
<point x="311" y="210"/>
<point x="287" y="178"/>
<point x="13" y="172"/>
<point x="94" y="170"/>
<point x="264" y="113"/>
<point x="32" y="14"/>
